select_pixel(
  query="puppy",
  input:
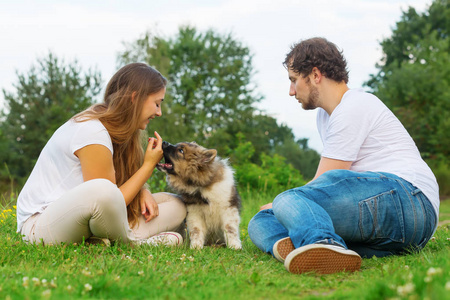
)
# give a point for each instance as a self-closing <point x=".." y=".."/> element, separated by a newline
<point x="206" y="184"/>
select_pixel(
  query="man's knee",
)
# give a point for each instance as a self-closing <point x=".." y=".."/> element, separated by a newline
<point x="283" y="199"/>
<point x="258" y="219"/>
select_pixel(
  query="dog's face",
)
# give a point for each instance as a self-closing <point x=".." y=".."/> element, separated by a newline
<point x="186" y="160"/>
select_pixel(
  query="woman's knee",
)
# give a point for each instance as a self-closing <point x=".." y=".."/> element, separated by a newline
<point x="174" y="203"/>
<point x="179" y="209"/>
<point x="105" y="194"/>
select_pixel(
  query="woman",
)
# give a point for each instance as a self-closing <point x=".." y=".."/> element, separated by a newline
<point x="90" y="177"/>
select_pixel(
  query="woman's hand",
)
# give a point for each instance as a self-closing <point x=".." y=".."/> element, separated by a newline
<point x="154" y="152"/>
<point x="149" y="207"/>
<point x="133" y="185"/>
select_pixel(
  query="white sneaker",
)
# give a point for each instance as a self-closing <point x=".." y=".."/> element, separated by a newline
<point x="163" y="238"/>
<point x="322" y="259"/>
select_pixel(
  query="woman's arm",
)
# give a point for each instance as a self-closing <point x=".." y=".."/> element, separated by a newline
<point x="153" y="155"/>
<point x="97" y="162"/>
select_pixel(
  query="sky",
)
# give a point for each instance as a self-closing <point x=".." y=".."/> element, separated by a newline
<point x="94" y="32"/>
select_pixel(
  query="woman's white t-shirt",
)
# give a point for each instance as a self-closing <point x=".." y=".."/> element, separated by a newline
<point x="361" y="129"/>
<point x="58" y="169"/>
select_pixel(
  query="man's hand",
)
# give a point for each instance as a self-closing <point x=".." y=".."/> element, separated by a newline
<point x="266" y="206"/>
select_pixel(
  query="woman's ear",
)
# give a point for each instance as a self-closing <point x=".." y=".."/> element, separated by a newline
<point x="133" y="97"/>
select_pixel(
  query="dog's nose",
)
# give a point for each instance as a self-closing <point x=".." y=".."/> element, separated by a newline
<point x="165" y="144"/>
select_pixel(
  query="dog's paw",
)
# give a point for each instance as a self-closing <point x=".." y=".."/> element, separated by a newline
<point x="196" y="245"/>
<point x="236" y="245"/>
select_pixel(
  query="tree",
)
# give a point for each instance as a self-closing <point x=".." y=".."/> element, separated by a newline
<point x="45" y="97"/>
<point x="209" y="76"/>
<point x="210" y="97"/>
<point x="414" y="77"/>
<point x="300" y="156"/>
<point x="260" y="130"/>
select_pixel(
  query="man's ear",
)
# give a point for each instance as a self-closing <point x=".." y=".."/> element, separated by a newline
<point x="316" y="75"/>
<point x="133" y="97"/>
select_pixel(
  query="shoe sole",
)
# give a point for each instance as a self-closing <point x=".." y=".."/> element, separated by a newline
<point x="282" y="248"/>
<point x="98" y="241"/>
<point x="322" y="259"/>
<point x="179" y="238"/>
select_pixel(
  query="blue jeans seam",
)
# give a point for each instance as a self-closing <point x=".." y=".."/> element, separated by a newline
<point x="375" y="217"/>
<point x="413" y="207"/>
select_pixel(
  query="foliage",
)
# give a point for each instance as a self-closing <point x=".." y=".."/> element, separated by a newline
<point x="47" y="96"/>
<point x="300" y="156"/>
<point x="414" y="77"/>
<point x="442" y="172"/>
<point x="211" y="95"/>
<point x="260" y="130"/>
<point x="209" y="81"/>
<point x="274" y="174"/>
<point x="210" y="100"/>
<point x="127" y="272"/>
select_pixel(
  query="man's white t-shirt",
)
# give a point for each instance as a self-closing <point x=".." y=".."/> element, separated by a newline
<point x="57" y="169"/>
<point x="363" y="130"/>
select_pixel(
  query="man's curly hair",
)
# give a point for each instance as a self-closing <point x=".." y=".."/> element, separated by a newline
<point x="320" y="53"/>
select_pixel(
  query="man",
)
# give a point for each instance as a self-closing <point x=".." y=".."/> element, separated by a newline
<point x="372" y="194"/>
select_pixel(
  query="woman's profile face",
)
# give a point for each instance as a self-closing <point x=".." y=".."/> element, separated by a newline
<point x="151" y="108"/>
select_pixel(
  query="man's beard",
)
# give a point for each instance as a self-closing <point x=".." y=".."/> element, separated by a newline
<point x="313" y="98"/>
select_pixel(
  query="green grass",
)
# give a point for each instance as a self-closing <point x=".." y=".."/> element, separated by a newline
<point x="130" y="272"/>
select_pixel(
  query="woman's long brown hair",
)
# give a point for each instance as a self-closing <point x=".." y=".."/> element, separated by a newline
<point x="120" y="116"/>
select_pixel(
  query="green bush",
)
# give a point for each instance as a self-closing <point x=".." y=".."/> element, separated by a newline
<point x="274" y="174"/>
<point x="442" y="172"/>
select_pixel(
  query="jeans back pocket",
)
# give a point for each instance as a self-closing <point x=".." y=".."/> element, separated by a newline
<point x="381" y="219"/>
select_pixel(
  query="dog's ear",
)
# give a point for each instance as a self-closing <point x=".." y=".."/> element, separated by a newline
<point x="209" y="155"/>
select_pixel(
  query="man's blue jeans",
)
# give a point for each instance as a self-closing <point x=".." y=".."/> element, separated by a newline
<point x="371" y="213"/>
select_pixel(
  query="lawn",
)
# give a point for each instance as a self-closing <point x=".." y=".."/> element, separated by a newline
<point x="131" y="272"/>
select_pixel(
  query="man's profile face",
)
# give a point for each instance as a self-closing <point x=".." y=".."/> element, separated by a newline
<point x="302" y="89"/>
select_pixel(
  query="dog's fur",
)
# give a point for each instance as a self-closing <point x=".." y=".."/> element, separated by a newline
<point x="206" y="184"/>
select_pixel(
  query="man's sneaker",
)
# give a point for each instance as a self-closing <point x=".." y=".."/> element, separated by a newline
<point x="282" y="248"/>
<point x="322" y="259"/>
<point x="163" y="238"/>
<point x="93" y="240"/>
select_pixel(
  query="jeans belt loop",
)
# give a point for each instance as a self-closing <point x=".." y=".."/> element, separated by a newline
<point x="416" y="191"/>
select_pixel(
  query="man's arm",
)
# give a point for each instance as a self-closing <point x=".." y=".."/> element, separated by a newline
<point x="327" y="164"/>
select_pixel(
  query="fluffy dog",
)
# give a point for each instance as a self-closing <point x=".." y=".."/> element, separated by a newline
<point x="206" y="184"/>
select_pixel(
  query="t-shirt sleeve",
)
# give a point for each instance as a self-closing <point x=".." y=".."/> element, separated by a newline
<point x="91" y="133"/>
<point x="348" y="127"/>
